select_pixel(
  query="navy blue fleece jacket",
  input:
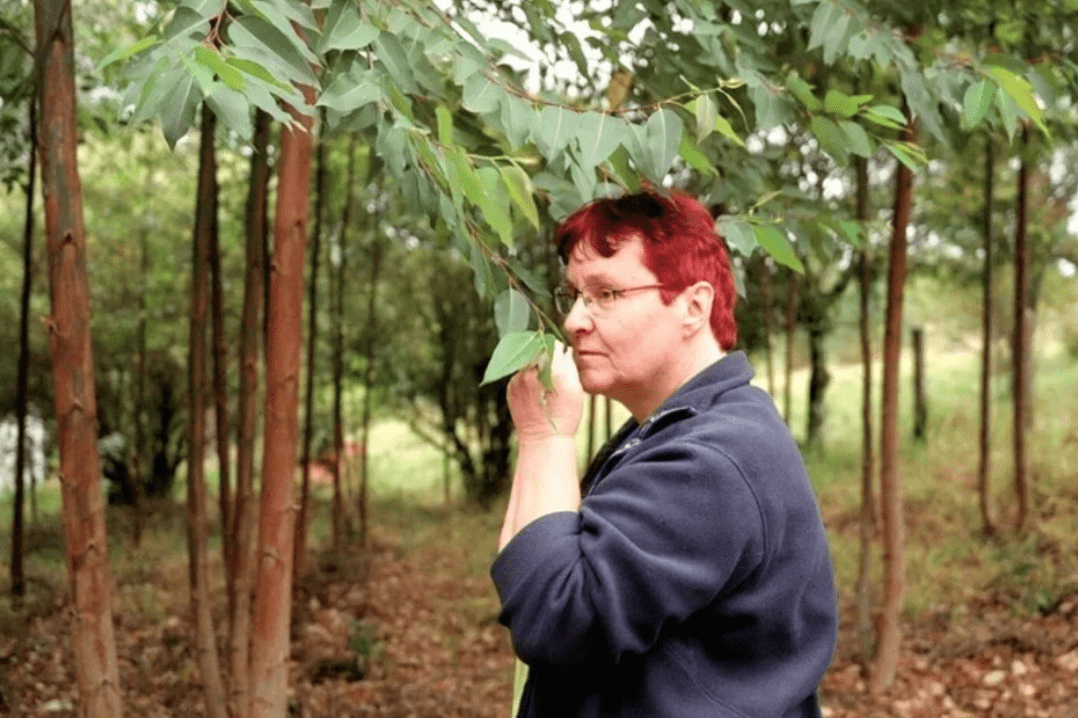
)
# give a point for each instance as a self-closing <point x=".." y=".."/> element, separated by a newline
<point x="695" y="580"/>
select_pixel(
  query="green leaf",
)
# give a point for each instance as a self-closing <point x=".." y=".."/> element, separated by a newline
<point x="391" y="53"/>
<point x="533" y="283"/>
<point x="599" y="135"/>
<point x="770" y="109"/>
<point x="905" y="154"/>
<point x="232" y="108"/>
<point x="178" y="108"/>
<point x="512" y="312"/>
<point x="297" y="12"/>
<point x="841" y="104"/>
<point x="348" y="93"/>
<point x="664" y="130"/>
<point x="345" y="30"/>
<point x="123" y="53"/>
<point x="466" y="177"/>
<point x="256" y="70"/>
<point x="1021" y="91"/>
<point x="778" y="246"/>
<point x="738" y="235"/>
<point x="836" y="33"/>
<point x="481" y="95"/>
<point x="521" y="191"/>
<point x="803" y="92"/>
<point x="859" y="141"/>
<point x="706" y="113"/>
<point x="832" y="139"/>
<point x="517" y="119"/>
<point x="213" y="60"/>
<point x="877" y="113"/>
<point x="852" y="232"/>
<point x="691" y="153"/>
<point x="256" y="40"/>
<point x="1008" y="113"/>
<point x="724" y="128"/>
<point x="495" y="204"/>
<point x="977" y="101"/>
<point x="285" y="15"/>
<point x="557" y="127"/>
<point x="514" y="352"/>
<point x="445" y="125"/>
<point x="186" y="23"/>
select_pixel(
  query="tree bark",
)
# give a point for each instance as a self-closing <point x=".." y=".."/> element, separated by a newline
<point x="1020" y="344"/>
<point x="368" y="377"/>
<point x="273" y="592"/>
<point x="894" y="558"/>
<point x="138" y="478"/>
<point x="220" y="393"/>
<point x="18" y="576"/>
<point x="984" y="467"/>
<point x="791" y="325"/>
<point x="920" y="403"/>
<point x="198" y="554"/>
<point x="70" y="345"/>
<point x="243" y="512"/>
<point x="765" y="292"/>
<point x="300" y="546"/>
<point x="819" y="378"/>
<point x="867" y="517"/>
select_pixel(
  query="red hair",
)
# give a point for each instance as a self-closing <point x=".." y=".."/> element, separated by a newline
<point x="681" y="246"/>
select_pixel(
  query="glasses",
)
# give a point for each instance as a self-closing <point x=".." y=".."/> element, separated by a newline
<point x="597" y="298"/>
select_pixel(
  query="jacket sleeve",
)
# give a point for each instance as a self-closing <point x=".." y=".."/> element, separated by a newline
<point x="658" y="538"/>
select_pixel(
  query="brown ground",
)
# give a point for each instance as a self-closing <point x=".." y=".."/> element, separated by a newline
<point x="419" y="619"/>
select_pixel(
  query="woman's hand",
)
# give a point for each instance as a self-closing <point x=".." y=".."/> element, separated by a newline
<point x="540" y="413"/>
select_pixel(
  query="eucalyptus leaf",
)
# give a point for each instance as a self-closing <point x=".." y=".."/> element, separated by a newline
<point x="512" y="312"/>
<point x="391" y="53"/>
<point x="778" y="246"/>
<point x="521" y="191"/>
<point x="178" y="108"/>
<point x="664" y="130"/>
<point x="481" y="95"/>
<point x="123" y="53"/>
<point x="705" y="113"/>
<point x="739" y="235"/>
<point x="232" y="108"/>
<point x="495" y="203"/>
<point x="186" y="23"/>
<point x="557" y="127"/>
<point x="345" y="30"/>
<point x="977" y="101"/>
<point x="859" y="141"/>
<point x="832" y="139"/>
<point x="598" y="136"/>
<point x="514" y="351"/>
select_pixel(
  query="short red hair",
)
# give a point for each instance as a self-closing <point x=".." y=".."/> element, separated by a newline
<point x="681" y="246"/>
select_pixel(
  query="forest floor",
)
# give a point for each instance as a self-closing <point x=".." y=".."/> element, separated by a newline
<point x="408" y="629"/>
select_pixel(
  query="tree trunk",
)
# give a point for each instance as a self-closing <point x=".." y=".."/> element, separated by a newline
<point x="591" y="430"/>
<point x="70" y="345"/>
<point x="138" y="478"/>
<point x="273" y="593"/>
<point x="894" y="566"/>
<point x="608" y="418"/>
<point x="220" y="393"/>
<point x="819" y="378"/>
<point x="339" y="523"/>
<point x="867" y="517"/>
<point x="300" y="559"/>
<point x="1020" y="346"/>
<point x="243" y="512"/>
<point x="368" y="376"/>
<point x="791" y="325"/>
<point x="765" y="293"/>
<point x="984" y="468"/>
<point x="18" y="576"/>
<point x="920" y="404"/>
<point x="198" y="554"/>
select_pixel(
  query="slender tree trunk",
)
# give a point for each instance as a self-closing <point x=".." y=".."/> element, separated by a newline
<point x="894" y="558"/>
<point x="765" y="292"/>
<point x="867" y="518"/>
<point x="300" y="560"/>
<point x="138" y="479"/>
<point x="198" y="554"/>
<point x="819" y="378"/>
<point x="1020" y="347"/>
<point x="920" y="404"/>
<point x="791" y="325"/>
<point x="608" y="418"/>
<point x="341" y="259"/>
<point x="243" y="513"/>
<point x="18" y="577"/>
<point x="591" y="429"/>
<point x="220" y="393"/>
<point x="368" y="375"/>
<point x="93" y="641"/>
<point x="984" y="468"/>
<point x="273" y="593"/>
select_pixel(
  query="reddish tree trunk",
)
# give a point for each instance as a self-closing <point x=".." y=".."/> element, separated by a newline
<point x="18" y="577"/>
<point x="1020" y="343"/>
<point x="71" y="348"/>
<point x="284" y="326"/>
<point x="765" y="292"/>
<point x="137" y="473"/>
<point x="867" y="519"/>
<point x="300" y="545"/>
<point x="198" y="554"/>
<point x="791" y="325"/>
<point x="894" y="558"/>
<point x="984" y="468"/>
<point x="243" y="512"/>
<point x="220" y="393"/>
<point x="368" y="377"/>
